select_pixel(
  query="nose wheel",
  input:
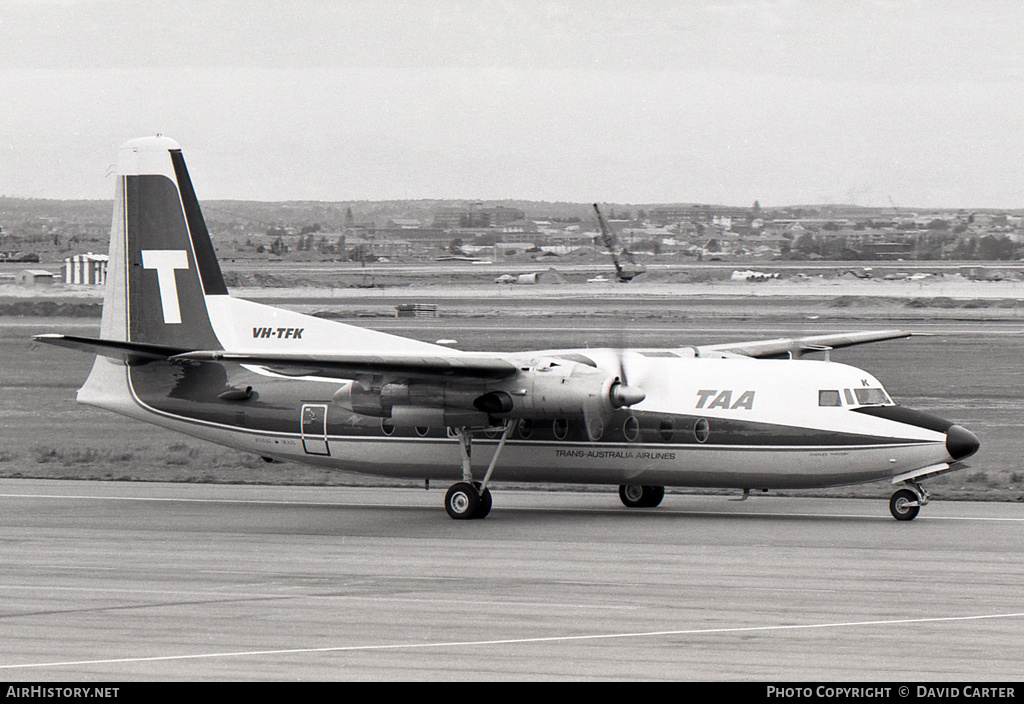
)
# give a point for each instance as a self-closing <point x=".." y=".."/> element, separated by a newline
<point x="905" y="504"/>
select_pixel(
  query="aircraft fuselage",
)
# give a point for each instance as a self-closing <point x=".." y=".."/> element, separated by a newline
<point x="707" y="422"/>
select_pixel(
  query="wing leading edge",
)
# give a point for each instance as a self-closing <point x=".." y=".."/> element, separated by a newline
<point x="348" y="366"/>
<point x="798" y="346"/>
<point x="340" y="366"/>
<point x="456" y="365"/>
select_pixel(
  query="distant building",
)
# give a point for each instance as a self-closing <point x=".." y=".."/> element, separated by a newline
<point x="508" y="249"/>
<point x="718" y="214"/>
<point x="451" y="217"/>
<point x="86" y="269"/>
<point x="36" y="277"/>
<point x="500" y="216"/>
<point x="519" y="227"/>
<point x="404" y="224"/>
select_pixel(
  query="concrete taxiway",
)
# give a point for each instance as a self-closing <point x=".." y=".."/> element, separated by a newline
<point x="136" y="581"/>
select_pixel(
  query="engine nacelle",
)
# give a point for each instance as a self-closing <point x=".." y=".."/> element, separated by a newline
<point x="416" y="404"/>
<point x="355" y="397"/>
<point x="544" y="390"/>
<point x="418" y="416"/>
<point x="558" y="389"/>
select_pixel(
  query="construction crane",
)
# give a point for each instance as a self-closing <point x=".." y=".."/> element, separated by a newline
<point x="623" y="272"/>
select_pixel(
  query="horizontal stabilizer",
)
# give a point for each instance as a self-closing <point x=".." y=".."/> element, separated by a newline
<point x="113" y="349"/>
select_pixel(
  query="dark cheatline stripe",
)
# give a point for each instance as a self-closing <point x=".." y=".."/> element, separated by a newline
<point x="206" y="258"/>
<point x="195" y="394"/>
<point x="726" y="431"/>
<point x="907" y="416"/>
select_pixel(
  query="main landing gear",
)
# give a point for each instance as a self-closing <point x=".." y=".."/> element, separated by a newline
<point x="468" y="499"/>
<point x="638" y="496"/>
<point x="905" y="504"/>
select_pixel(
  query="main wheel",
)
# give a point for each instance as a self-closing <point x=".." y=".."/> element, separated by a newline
<point x="641" y="496"/>
<point x="484" y="505"/>
<point x="904" y="505"/>
<point x="462" y="501"/>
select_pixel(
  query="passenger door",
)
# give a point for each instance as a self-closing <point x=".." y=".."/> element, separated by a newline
<point x="314" y="429"/>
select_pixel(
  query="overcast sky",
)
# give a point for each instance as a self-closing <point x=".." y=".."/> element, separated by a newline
<point x="723" y="101"/>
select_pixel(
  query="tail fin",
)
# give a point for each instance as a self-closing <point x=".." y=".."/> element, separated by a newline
<point x="162" y="262"/>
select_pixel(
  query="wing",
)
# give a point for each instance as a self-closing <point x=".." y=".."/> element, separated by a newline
<point x="350" y="366"/>
<point x="798" y="346"/>
<point x="340" y="366"/>
<point x="465" y="365"/>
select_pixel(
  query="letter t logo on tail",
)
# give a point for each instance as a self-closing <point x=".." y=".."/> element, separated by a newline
<point x="165" y="261"/>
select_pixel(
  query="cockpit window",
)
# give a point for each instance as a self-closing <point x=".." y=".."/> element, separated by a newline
<point x="872" y="397"/>
<point x="829" y="397"/>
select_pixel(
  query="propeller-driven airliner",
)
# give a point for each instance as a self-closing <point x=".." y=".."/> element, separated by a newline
<point x="177" y="350"/>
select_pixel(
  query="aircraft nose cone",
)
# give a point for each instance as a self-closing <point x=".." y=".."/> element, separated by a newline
<point x="961" y="442"/>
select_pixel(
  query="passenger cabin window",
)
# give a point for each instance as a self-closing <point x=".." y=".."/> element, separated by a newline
<point x="829" y="397"/>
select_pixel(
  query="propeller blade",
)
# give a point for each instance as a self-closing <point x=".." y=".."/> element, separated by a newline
<point x="622" y="394"/>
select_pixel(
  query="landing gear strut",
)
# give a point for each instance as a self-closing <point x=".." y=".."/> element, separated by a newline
<point x="468" y="499"/>
<point x="905" y="504"/>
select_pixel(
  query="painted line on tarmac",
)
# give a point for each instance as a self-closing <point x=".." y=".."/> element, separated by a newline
<point x="664" y="511"/>
<point x="866" y="516"/>
<point x="180" y="499"/>
<point x="185" y="500"/>
<point x="213" y="597"/>
<point x="522" y="641"/>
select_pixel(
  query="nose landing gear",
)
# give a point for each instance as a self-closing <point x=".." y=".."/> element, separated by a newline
<point x="905" y="504"/>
